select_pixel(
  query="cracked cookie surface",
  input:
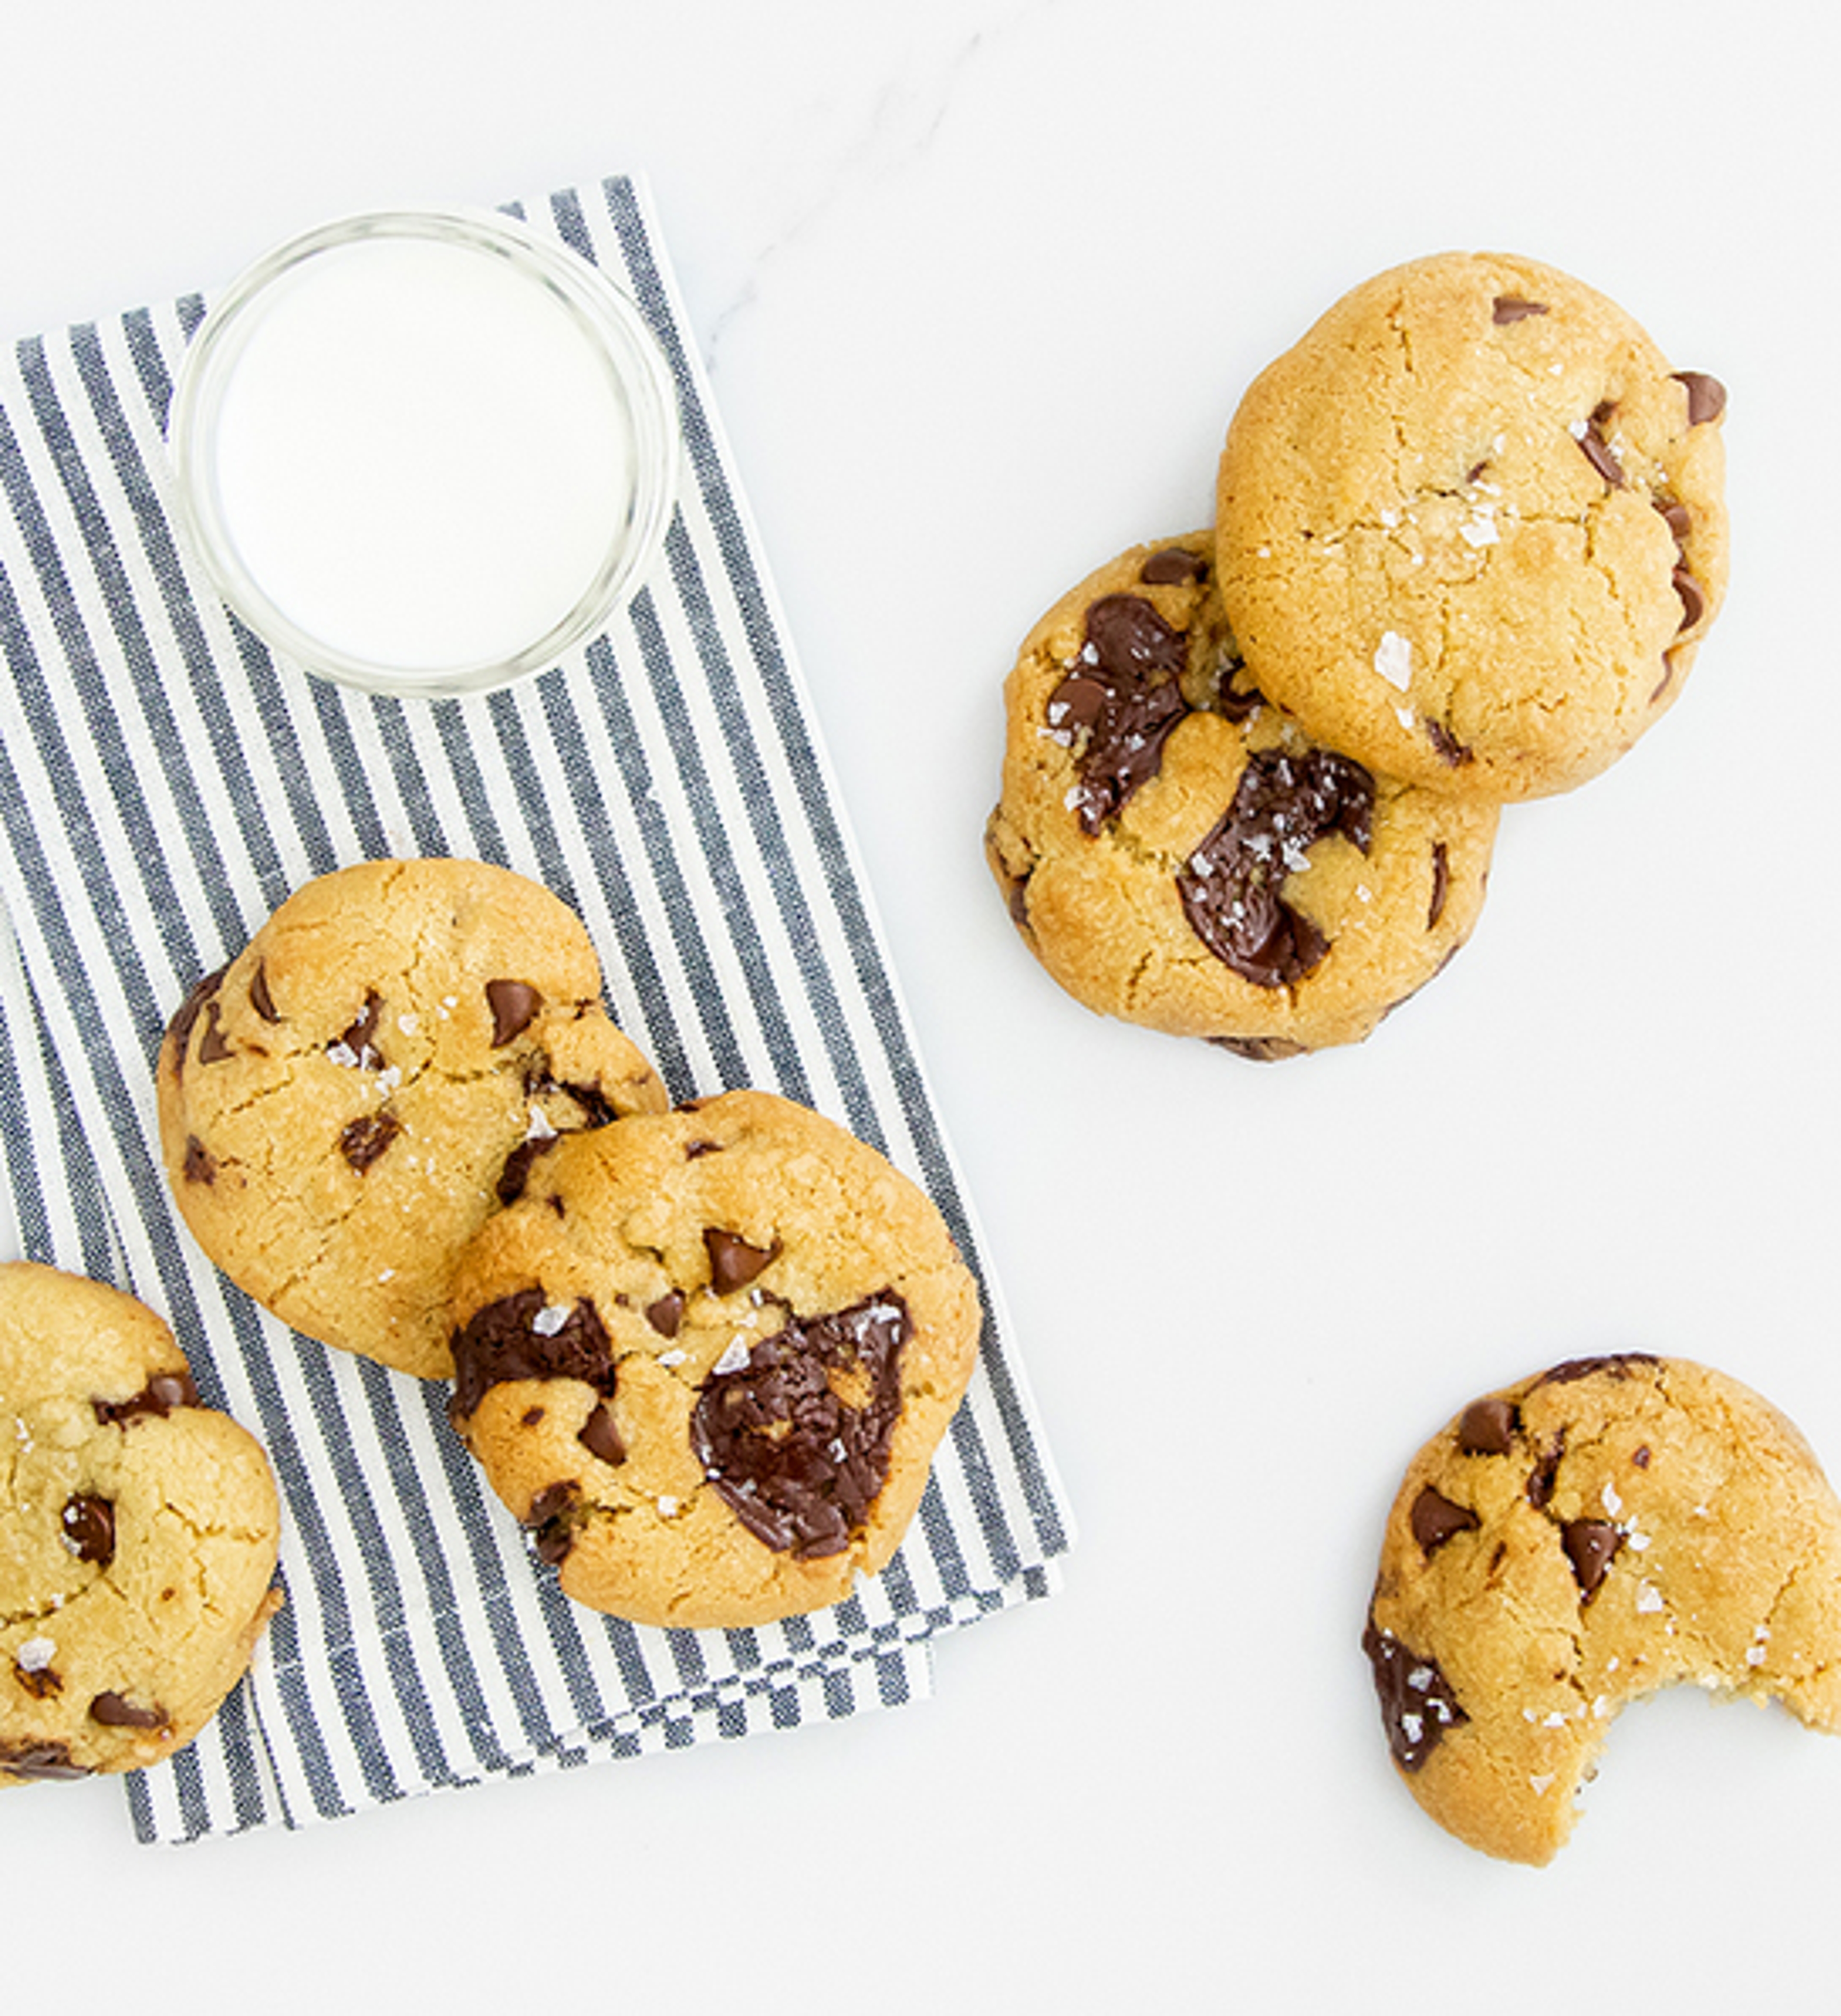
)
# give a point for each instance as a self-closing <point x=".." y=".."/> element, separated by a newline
<point x="346" y="1102"/>
<point x="1178" y="853"/>
<point x="137" y="1534"/>
<point x="708" y="1357"/>
<point x="1473" y="526"/>
<point x="1564" y="1546"/>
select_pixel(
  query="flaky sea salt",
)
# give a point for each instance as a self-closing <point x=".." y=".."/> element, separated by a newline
<point x="1393" y="660"/>
<point x="35" y="1655"/>
<point x="549" y="1320"/>
<point x="735" y="1359"/>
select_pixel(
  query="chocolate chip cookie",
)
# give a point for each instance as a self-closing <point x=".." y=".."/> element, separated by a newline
<point x="1609" y="1527"/>
<point x="1472" y="527"/>
<point x="1178" y="852"/>
<point x="343" y="1105"/>
<point x="707" y="1358"/>
<point x="137" y="1534"/>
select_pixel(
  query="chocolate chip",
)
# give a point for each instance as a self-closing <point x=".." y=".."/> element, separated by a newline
<point x="694" y="1149"/>
<point x="796" y="1441"/>
<point x="1597" y="449"/>
<point x="1230" y="888"/>
<point x="552" y="1519"/>
<point x="178" y="1031"/>
<point x="200" y="1164"/>
<point x="1512" y="307"/>
<point x="115" y="1710"/>
<point x="162" y="1393"/>
<point x="732" y="1262"/>
<point x="260" y="999"/>
<point x="40" y="1682"/>
<point x="1639" y="1455"/>
<point x="1259" y="1049"/>
<point x="1488" y="1427"/>
<point x="356" y="1041"/>
<point x="600" y="1437"/>
<point x="531" y="1415"/>
<point x="1546" y="1474"/>
<point x="525" y="1336"/>
<point x="666" y="1313"/>
<point x="1441" y="884"/>
<point x="1620" y="1364"/>
<point x="46" y="1760"/>
<point x="1237" y="704"/>
<point x="212" y="1047"/>
<point x="1124" y="696"/>
<point x="1417" y="1704"/>
<point x="516" y="1171"/>
<point x="89" y="1528"/>
<point x="1667" y="680"/>
<point x="1678" y="517"/>
<point x="1707" y="396"/>
<point x="514" y="1004"/>
<point x="1173" y="564"/>
<point x="1445" y="746"/>
<point x="1591" y="1545"/>
<point x="1435" y="1520"/>
<point x="1694" y="602"/>
<point x="367" y="1137"/>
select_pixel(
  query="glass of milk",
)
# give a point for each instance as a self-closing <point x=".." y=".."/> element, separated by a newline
<point x="424" y="452"/>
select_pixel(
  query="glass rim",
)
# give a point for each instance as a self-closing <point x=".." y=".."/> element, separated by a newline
<point x="601" y="310"/>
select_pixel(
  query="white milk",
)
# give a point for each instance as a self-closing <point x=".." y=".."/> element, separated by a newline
<point x="421" y="457"/>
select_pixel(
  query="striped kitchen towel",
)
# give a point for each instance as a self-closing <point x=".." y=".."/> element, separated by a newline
<point x="164" y="781"/>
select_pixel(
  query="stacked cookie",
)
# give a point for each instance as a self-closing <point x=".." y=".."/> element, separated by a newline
<point x="1469" y="533"/>
<point x="705" y="1355"/>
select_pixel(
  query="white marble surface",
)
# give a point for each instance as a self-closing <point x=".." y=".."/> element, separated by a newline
<point x="980" y="282"/>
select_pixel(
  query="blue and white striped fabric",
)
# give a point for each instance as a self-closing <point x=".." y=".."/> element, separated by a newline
<point x="164" y="782"/>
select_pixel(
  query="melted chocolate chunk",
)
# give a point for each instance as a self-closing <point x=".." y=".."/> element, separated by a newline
<point x="260" y="999"/>
<point x="514" y="1004"/>
<point x="162" y="1393"/>
<point x="1229" y="889"/>
<point x="1173" y="564"/>
<point x="201" y="1164"/>
<point x="600" y="1437"/>
<point x="525" y="1336"/>
<point x="1417" y="1704"/>
<point x="41" y="1683"/>
<point x="1441" y="884"/>
<point x="1707" y="396"/>
<point x="666" y="1313"/>
<point x="49" y="1759"/>
<point x="1511" y="308"/>
<point x="115" y="1710"/>
<point x="367" y="1137"/>
<point x="1435" y="1520"/>
<point x="1591" y="1545"/>
<point x="732" y="1262"/>
<point x="178" y="1030"/>
<point x="797" y="1441"/>
<point x="1488" y="1428"/>
<point x="1694" y="600"/>
<point x="1126" y="696"/>
<point x="552" y="1519"/>
<point x="1678" y="517"/>
<point x="1237" y="704"/>
<point x="89" y="1528"/>
<point x="357" y="1039"/>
